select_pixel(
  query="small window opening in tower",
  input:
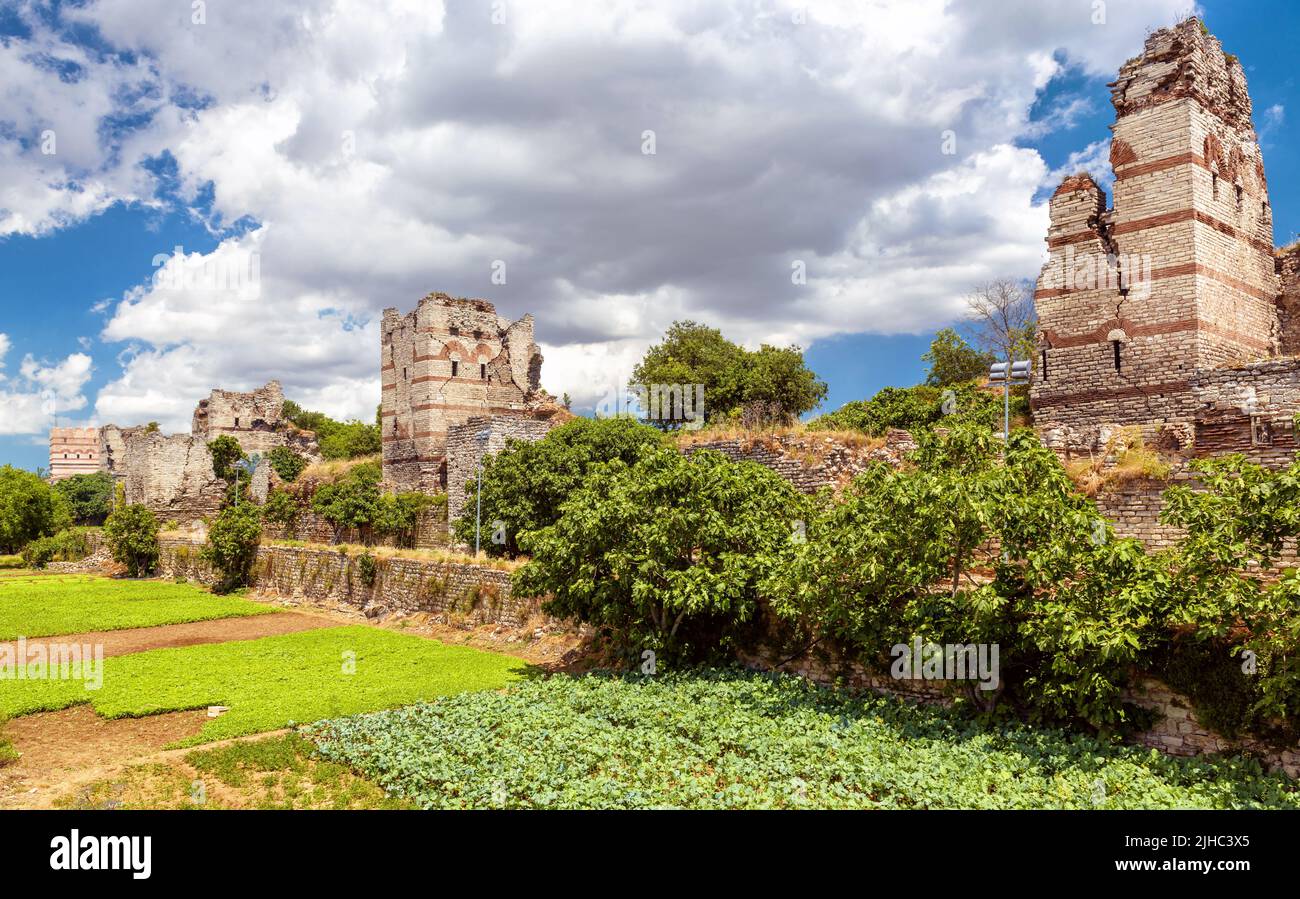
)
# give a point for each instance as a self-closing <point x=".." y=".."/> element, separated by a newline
<point x="455" y="368"/>
<point x="1214" y="184"/>
<point x="482" y="371"/>
<point x="1044" y="366"/>
<point x="455" y="331"/>
<point x="404" y="377"/>
<point x="478" y="335"/>
<point x="236" y="422"/>
<point x="1115" y="344"/>
<point x="1240" y="194"/>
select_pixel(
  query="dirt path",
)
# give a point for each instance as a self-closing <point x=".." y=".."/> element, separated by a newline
<point x="222" y="630"/>
<point x="71" y="747"/>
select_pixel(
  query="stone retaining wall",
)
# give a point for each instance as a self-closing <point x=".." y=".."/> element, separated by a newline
<point x="480" y="593"/>
<point x="810" y="461"/>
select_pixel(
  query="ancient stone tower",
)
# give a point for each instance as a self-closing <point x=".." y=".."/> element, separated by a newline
<point x="450" y="360"/>
<point x="1141" y="302"/>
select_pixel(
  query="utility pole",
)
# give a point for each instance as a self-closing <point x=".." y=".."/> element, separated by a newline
<point x="1015" y="371"/>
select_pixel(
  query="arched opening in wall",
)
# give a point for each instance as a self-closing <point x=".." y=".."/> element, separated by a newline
<point x="1214" y="184"/>
<point x="1240" y="195"/>
<point x="1117" y="337"/>
<point x="236" y="422"/>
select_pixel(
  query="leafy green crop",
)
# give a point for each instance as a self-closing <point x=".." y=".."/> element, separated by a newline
<point x="274" y="681"/>
<point x="42" y="606"/>
<point x="730" y="739"/>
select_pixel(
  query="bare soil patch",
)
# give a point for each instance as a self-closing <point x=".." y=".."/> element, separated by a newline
<point x="140" y="639"/>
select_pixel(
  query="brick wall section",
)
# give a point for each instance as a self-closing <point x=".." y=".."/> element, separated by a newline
<point x="172" y="473"/>
<point x="479" y="592"/>
<point x="465" y="449"/>
<point x="808" y="461"/>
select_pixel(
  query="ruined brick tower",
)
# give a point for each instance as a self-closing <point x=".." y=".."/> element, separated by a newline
<point x="449" y="360"/>
<point x="1179" y="278"/>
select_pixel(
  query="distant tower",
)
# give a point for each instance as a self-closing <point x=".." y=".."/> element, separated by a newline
<point x="1193" y="285"/>
<point x="73" y="451"/>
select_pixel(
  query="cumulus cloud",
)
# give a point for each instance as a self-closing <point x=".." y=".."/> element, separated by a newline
<point x="389" y="150"/>
<point x="30" y="400"/>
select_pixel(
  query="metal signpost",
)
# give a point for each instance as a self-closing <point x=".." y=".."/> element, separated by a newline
<point x="1015" y="372"/>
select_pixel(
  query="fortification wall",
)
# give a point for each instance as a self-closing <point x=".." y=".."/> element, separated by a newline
<point x="811" y="461"/>
<point x="465" y="449"/>
<point x="477" y="594"/>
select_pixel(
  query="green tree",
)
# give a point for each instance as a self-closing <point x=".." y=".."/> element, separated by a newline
<point x="351" y="502"/>
<point x="916" y="409"/>
<point x="287" y="463"/>
<point x="692" y="353"/>
<point x="132" y="536"/>
<point x="953" y="361"/>
<point x="397" y="515"/>
<point x="961" y="548"/>
<point x="667" y="554"/>
<point x="336" y="439"/>
<point x="89" y="496"/>
<point x="525" y="485"/>
<point x="29" y="508"/>
<point x="777" y="377"/>
<point x="225" y="451"/>
<point x="232" y="544"/>
<point x="282" y="508"/>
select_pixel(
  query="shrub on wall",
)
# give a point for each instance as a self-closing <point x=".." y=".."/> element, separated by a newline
<point x="397" y="514"/>
<point x="668" y="553"/>
<point x="225" y="451"/>
<point x="281" y="508"/>
<point x="132" y="536"/>
<point x="525" y="485"/>
<point x="287" y="463"/>
<point x="66" y="546"/>
<point x="350" y="502"/>
<point x="232" y="546"/>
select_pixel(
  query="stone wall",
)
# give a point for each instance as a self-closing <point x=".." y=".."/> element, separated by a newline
<point x="430" y="530"/>
<point x="479" y="593"/>
<point x="467" y="444"/>
<point x="172" y="474"/>
<point x="810" y="461"/>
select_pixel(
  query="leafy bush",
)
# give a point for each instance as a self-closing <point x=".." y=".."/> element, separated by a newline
<point x="668" y="553"/>
<point x="397" y="514"/>
<point x="525" y="485"/>
<point x="225" y="451"/>
<point x="66" y="546"/>
<point x="921" y="408"/>
<point x="959" y="548"/>
<point x="336" y="439"/>
<point x="367" y="568"/>
<point x="281" y="507"/>
<point x="232" y="545"/>
<point x="732" y="376"/>
<point x="743" y="740"/>
<point x="132" y="536"/>
<point x="351" y="502"/>
<point x="287" y="463"/>
<point x="89" y="496"/>
<point x="29" y="508"/>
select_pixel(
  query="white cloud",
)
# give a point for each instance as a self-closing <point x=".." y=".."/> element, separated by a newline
<point x="30" y="400"/>
<point x="393" y="149"/>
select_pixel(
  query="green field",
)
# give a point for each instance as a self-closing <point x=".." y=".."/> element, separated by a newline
<point x="273" y="682"/>
<point x="42" y="605"/>
<point x="743" y="740"/>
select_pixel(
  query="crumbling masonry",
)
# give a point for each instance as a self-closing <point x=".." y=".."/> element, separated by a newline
<point x="448" y="361"/>
<point x="1171" y="310"/>
<point x="172" y="473"/>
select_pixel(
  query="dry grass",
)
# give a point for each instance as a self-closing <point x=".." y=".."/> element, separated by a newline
<point x="1132" y="462"/>
<point x="332" y="470"/>
<point x="743" y="435"/>
<point x="393" y="552"/>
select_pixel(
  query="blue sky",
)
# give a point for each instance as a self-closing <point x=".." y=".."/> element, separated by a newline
<point x="223" y="148"/>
